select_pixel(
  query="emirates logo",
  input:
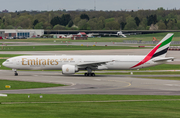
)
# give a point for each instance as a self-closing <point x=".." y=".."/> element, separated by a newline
<point x="67" y="70"/>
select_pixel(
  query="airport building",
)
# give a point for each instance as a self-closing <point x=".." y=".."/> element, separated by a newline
<point x="27" y="33"/>
<point x="2" y="34"/>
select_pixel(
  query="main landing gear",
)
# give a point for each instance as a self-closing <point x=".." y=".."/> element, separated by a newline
<point x="15" y="72"/>
<point x="89" y="73"/>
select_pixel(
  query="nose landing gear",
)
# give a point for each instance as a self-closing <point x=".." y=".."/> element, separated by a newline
<point x="15" y="72"/>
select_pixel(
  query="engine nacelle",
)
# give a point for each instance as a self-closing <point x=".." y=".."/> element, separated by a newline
<point x="69" y="69"/>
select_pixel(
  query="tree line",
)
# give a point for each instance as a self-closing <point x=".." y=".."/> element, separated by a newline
<point x="159" y="19"/>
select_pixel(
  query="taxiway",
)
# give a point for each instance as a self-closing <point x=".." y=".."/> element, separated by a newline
<point x="101" y="84"/>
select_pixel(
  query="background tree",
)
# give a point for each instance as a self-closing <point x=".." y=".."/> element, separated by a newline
<point x="83" y="25"/>
<point x="35" y="22"/>
<point x="94" y="19"/>
<point x="100" y="23"/>
<point x="9" y="27"/>
<point x="39" y="26"/>
<point x="113" y="25"/>
<point x="143" y="24"/>
<point x="19" y="27"/>
<point x="48" y="28"/>
<point x="65" y="19"/>
<point x="2" y="26"/>
<point x="76" y="20"/>
<point x="56" y="20"/>
<point x="70" y="24"/>
<point x="137" y="21"/>
<point x="59" y="27"/>
<point x="161" y="25"/>
<point x="152" y="19"/>
<point x="84" y="16"/>
<point x="93" y="24"/>
<point x="131" y="24"/>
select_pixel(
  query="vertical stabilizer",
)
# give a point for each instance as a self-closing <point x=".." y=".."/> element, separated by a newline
<point x="159" y="50"/>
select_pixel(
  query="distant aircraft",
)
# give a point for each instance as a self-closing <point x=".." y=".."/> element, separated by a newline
<point x="73" y="63"/>
<point x="119" y="33"/>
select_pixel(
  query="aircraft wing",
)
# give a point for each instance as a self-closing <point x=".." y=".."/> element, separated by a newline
<point x="93" y="64"/>
<point x="164" y="59"/>
<point x="123" y="35"/>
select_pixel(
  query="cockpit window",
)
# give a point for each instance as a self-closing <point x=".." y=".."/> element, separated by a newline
<point x="7" y="60"/>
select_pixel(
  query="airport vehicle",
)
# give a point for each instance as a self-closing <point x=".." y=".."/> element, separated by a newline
<point x="70" y="64"/>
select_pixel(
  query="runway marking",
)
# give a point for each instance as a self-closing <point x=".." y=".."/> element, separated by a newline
<point x="129" y="84"/>
<point x="97" y="79"/>
<point x="109" y="101"/>
<point x="52" y="88"/>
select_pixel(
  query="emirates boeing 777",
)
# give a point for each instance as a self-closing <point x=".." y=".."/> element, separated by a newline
<point x="70" y="64"/>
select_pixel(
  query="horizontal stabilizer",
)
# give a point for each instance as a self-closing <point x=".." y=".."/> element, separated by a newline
<point x="163" y="59"/>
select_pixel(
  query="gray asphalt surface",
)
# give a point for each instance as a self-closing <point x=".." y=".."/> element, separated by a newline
<point x="66" y="43"/>
<point x="101" y="84"/>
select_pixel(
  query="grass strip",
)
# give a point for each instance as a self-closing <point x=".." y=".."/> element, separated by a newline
<point x="52" y="106"/>
<point x="24" y="85"/>
<point x="62" y="48"/>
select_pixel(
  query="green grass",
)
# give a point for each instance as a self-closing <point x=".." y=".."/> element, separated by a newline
<point x="163" y="67"/>
<point x="9" y="55"/>
<point x="80" y="106"/>
<point x="63" y="47"/>
<point x="25" y="85"/>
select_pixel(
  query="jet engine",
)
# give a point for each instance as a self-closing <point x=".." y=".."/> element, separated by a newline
<point x="69" y="69"/>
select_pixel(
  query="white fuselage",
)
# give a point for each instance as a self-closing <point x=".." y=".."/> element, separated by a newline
<point x="56" y="62"/>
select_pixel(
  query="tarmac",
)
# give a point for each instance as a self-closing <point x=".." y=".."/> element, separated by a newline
<point x="101" y="84"/>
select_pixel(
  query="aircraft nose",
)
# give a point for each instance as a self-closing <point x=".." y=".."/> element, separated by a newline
<point x="4" y="63"/>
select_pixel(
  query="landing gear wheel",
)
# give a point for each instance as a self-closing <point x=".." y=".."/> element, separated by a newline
<point x="16" y="74"/>
<point x="93" y="74"/>
<point x="89" y="74"/>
